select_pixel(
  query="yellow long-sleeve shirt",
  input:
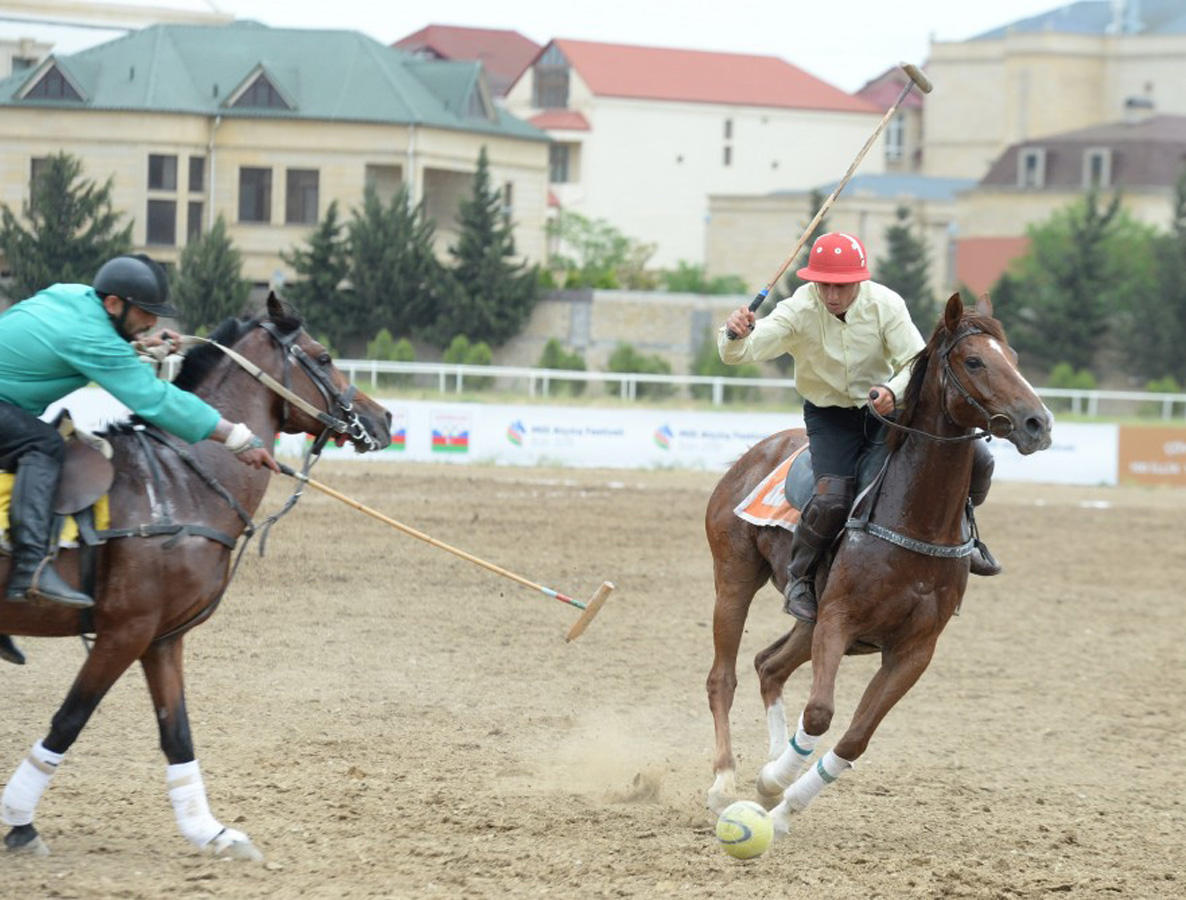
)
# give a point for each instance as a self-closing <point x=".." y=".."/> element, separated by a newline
<point x="836" y="362"/>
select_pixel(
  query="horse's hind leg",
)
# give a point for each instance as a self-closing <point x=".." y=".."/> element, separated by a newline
<point x="162" y="664"/>
<point x="107" y="661"/>
<point x="735" y="592"/>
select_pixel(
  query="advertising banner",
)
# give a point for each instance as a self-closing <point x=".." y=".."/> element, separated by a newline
<point x="1152" y="455"/>
<point x="528" y="435"/>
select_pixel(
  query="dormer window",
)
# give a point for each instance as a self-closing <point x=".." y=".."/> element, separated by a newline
<point x="551" y="80"/>
<point x="260" y="94"/>
<point x="1031" y="167"/>
<point x="1097" y="167"/>
<point x="53" y="85"/>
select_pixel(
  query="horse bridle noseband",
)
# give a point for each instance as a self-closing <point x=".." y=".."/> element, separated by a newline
<point x="947" y="374"/>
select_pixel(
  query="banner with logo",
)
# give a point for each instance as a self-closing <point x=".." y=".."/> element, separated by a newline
<point x="521" y="435"/>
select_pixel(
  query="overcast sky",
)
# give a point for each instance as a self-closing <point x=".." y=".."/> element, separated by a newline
<point x="845" y="43"/>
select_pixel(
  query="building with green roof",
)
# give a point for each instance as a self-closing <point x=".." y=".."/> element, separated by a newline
<point x="266" y="126"/>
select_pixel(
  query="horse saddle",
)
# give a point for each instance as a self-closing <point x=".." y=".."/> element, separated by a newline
<point x="87" y="473"/>
<point x="800" y="481"/>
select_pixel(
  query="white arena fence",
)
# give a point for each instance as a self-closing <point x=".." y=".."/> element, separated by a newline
<point x="451" y="378"/>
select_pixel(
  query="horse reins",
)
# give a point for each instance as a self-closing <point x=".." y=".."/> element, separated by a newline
<point x="946" y="374"/>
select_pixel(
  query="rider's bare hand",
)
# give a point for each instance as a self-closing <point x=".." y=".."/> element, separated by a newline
<point x="740" y="321"/>
<point x="882" y="399"/>
<point x="258" y="457"/>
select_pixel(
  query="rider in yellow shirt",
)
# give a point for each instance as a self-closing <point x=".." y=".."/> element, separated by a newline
<point x="854" y="343"/>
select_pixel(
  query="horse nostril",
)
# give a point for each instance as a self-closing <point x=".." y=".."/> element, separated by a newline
<point x="1035" y="425"/>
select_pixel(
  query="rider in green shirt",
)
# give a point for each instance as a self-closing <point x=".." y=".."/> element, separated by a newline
<point x="61" y="339"/>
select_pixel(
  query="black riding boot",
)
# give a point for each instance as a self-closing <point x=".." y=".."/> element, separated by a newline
<point x="30" y="516"/>
<point x="10" y="652"/>
<point x="822" y="520"/>
<point x="983" y="562"/>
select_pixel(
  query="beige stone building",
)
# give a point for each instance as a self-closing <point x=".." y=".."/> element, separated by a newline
<point x="1075" y="66"/>
<point x="266" y="127"/>
<point x="752" y="235"/>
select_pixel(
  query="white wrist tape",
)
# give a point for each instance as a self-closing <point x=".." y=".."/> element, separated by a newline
<point x="23" y="791"/>
<point x="239" y="439"/>
<point x="187" y="793"/>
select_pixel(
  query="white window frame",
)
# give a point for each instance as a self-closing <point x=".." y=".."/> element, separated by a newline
<point x="1101" y="153"/>
<point x="1024" y="155"/>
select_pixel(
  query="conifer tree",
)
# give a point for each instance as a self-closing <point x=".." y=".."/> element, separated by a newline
<point x="72" y="229"/>
<point x="210" y="286"/>
<point x="494" y="294"/>
<point x="905" y="270"/>
<point x="790" y="281"/>
<point x="322" y="266"/>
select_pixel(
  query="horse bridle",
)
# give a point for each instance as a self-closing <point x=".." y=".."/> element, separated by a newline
<point x="946" y="374"/>
<point x="349" y="424"/>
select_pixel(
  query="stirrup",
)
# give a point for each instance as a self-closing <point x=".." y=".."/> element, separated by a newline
<point x="800" y="600"/>
<point x="49" y="586"/>
<point x="983" y="562"/>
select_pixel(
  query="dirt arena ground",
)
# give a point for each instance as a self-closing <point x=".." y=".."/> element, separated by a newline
<point x="386" y="720"/>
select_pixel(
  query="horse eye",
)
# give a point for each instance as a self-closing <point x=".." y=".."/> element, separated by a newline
<point x="325" y="359"/>
<point x="974" y="362"/>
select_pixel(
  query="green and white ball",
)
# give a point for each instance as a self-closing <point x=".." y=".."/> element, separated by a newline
<point x="745" y="829"/>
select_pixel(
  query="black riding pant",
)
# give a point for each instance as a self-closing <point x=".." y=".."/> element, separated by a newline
<point x="22" y="432"/>
<point x="840" y="438"/>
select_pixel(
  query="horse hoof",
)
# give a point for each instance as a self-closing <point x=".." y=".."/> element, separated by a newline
<point x="722" y="793"/>
<point x="24" y="840"/>
<point x="232" y="844"/>
<point x="781" y="817"/>
<point x="769" y="791"/>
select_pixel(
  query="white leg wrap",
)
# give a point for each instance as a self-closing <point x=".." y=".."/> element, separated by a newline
<point x="776" y="726"/>
<point x="187" y="793"/>
<point x="810" y="783"/>
<point x="23" y="791"/>
<point x="787" y="767"/>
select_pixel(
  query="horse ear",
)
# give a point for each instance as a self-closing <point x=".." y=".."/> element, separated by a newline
<point x="275" y="305"/>
<point x="954" y="311"/>
<point x="984" y="306"/>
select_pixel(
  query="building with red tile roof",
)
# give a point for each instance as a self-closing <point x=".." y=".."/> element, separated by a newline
<point x="503" y="53"/>
<point x="641" y="136"/>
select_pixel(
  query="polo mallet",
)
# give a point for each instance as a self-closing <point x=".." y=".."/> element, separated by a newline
<point x="590" y="609"/>
<point x="916" y="78"/>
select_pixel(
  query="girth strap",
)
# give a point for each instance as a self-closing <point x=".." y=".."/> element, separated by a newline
<point x="947" y="551"/>
<point x="156" y="529"/>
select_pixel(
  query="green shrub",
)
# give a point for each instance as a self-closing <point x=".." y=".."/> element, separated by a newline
<point x="1064" y="376"/>
<point x="708" y="362"/>
<point x="461" y="351"/>
<point x="1166" y="385"/>
<point x="554" y="356"/>
<point x="383" y="346"/>
<point x="626" y="359"/>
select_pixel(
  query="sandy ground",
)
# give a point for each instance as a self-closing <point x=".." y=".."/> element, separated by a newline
<point x="386" y="720"/>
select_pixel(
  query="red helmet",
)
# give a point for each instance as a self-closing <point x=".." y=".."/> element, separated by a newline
<point x="835" y="258"/>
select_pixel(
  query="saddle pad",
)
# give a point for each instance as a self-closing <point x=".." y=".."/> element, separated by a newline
<point x="69" y="536"/>
<point x="767" y="504"/>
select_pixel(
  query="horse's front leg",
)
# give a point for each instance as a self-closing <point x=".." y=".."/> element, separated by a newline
<point x="899" y="671"/>
<point x="162" y="664"/>
<point x="788" y="753"/>
<point x="107" y="661"/>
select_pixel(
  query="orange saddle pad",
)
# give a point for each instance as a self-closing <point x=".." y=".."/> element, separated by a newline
<point x="767" y="504"/>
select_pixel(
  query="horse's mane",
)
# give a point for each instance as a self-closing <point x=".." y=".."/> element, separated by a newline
<point x="918" y="375"/>
<point x="202" y="359"/>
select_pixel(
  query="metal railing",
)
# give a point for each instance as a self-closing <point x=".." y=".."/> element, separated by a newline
<point x="451" y="378"/>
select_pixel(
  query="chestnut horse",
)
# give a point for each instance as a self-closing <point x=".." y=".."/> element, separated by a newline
<point x="898" y="571"/>
<point x="177" y="512"/>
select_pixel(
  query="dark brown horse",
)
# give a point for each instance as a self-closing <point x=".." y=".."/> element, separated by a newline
<point x="192" y="504"/>
<point x="893" y="582"/>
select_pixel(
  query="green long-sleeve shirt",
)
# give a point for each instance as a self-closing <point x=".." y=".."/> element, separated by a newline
<point x="61" y="338"/>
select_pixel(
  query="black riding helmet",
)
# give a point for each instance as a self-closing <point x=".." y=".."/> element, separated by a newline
<point x="137" y="279"/>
